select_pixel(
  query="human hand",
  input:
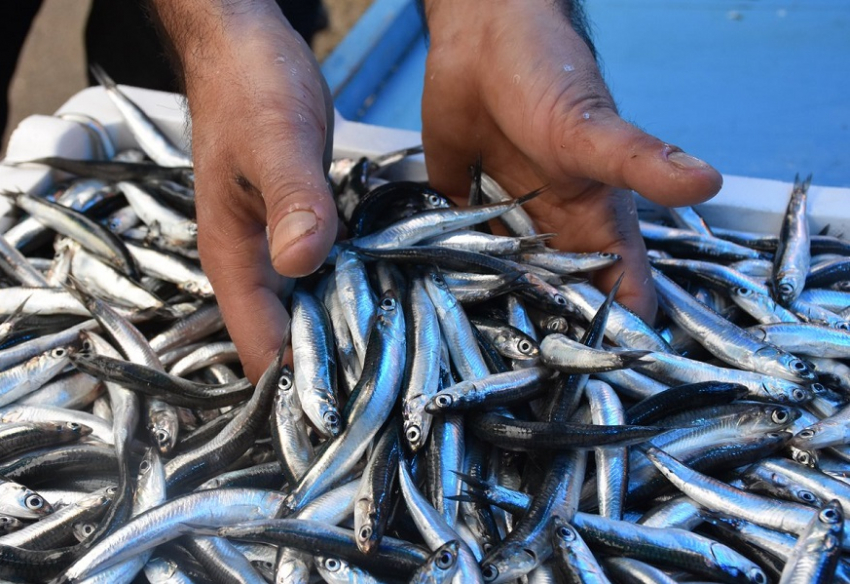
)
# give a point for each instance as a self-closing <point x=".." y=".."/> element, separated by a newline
<point x="514" y="82"/>
<point x="262" y="126"/>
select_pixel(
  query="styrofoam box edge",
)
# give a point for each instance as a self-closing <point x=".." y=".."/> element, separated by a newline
<point x="744" y="203"/>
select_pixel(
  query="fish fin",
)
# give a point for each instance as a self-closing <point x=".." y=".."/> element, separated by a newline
<point x="464" y="498"/>
<point x="472" y="481"/>
<point x="569" y="279"/>
<point x="532" y="195"/>
<point x="534" y="241"/>
<point x="634" y="356"/>
<point x="825" y="230"/>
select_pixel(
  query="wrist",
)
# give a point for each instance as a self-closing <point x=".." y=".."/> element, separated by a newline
<point x="458" y="21"/>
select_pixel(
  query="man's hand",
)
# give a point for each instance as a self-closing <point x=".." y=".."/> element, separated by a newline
<point x="514" y="82"/>
<point x="262" y="125"/>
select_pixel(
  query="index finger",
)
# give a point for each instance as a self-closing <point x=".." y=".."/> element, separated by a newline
<point x="235" y="255"/>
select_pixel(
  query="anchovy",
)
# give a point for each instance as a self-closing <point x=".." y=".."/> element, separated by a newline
<point x="150" y="139"/>
<point x="793" y="255"/>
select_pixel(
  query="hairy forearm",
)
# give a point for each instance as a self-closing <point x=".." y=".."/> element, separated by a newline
<point x="196" y="32"/>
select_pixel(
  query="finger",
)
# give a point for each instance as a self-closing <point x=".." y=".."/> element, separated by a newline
<point x="637" y="290"/>
<point x="292" y="117"/>
<point x="235" y="255"/>
<point x="599" y="144"/>
<point x="602" y="220"/>
<point x="301" y="214"/>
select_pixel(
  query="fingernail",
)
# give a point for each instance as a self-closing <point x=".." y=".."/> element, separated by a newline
<point x="291" y="228"/>
<point x="686" y="161"/>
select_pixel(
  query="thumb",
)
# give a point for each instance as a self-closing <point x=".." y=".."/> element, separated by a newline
<point x="617" y="153"/>
<point x="300" y="211"/>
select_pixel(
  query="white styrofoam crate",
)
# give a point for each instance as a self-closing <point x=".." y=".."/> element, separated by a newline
<point x="744" y="203"/>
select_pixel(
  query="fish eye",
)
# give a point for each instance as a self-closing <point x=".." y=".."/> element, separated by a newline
<point x="445" y="560"/>
<point x="606" y="255"/>
<point x="566" y="533"/>
<point x="757" y="576"/>
<point x="798" y="365"/>
<point x="807" y="496"/>
<point x="525" y="347"/>
<point x="88" y="529"/>
<point x="443" y="401"/>
<point x="162" y="437"/>
<point x="144" y="466"/>
<point x="112" y="491"/>
<point x="74" y="426"/>
<point x="807" y="433"/>
<point x="413" y="433"/>
<point x="434" y="200"/>
<point x="332" y="564"/>
<point x="830" y="515"/>
<point x="779" y="416"/>
<point x="387" y="303"/>
<point x="798" y="394"/>
<point x="332" y="419"/>
<point x="560" y="300"/>
<point x="285" y="382"/>
<point x="34" y="502"/>
<point x="742" y="291"/>
<point x="843" y="325"/>
<point x="88" y="345"/>
<point x="803" y="458"/>
<point x="58" y="353"/>
<point x="785" y="288"/>
<point x="489" y="572"/>
<point x="365" y="533"/>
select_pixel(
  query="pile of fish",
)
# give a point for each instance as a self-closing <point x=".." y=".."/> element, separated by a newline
<point x="462" y="407"/>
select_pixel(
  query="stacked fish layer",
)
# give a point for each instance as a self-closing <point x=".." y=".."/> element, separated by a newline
<point x="462" y="406"/>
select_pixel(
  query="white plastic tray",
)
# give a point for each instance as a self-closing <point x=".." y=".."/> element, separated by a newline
<point x="743" y="203"/>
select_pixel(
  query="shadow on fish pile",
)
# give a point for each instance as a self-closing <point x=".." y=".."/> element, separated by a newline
<point x="463" y="406"/>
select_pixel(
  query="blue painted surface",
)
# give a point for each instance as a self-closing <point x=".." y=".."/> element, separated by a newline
<point x="758" y="88"/>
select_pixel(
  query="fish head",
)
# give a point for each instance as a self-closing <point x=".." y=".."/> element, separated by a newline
<point x="508" y="562"/>
<point x="797" y="367"/>
<point x="8" y="524"/>
<point x="803" y="495"/>
<point x="335" y="569"/>
<point x="734" y="564"/>
<point x="440" y="402"/>
<point x="564" y="535"/>
<point x="74" y="428"/>
<point x="18" y="501"/>
<point x="787" y="287"/>
<point x="803" y="456"/>
<point x="366" y="532"/>
<point x="527" y="348"/>
<point x="293" y="570"/>
<point x="416" y="424"/>
<point x="331" y="420"/>
<point x="784" y="391"/>
<point x="83" y="530"/>
<point x="446" y="556"/>
<point x="832" y="514"/>
<point x="431" y="200"/>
